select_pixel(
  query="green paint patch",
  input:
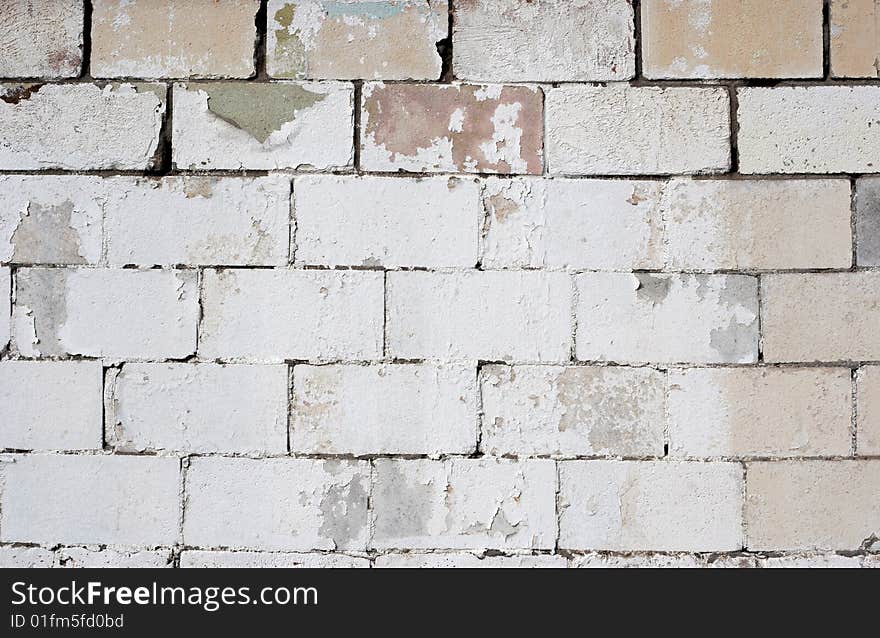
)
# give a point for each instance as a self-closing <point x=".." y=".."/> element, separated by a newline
<point x="258" y="109"/>
<point x="290" y="52"/>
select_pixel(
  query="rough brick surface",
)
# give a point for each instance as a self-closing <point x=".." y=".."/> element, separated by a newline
<point x="327" y="39"/>
<point x="41" y="39"/>
<point x="14" y="556"/>
<point x="385" y="409"/>
<point x="868" y="221"/>
<point x="173" y="38"/>
<point x="694" y="39"/>
<point x="446" y="560"/>
<point x="868" y="411"/>
<point x="197" y="558"/>
<point x="51" y="405"/>
<point x="855" y="39"/>
<point x="84" y="557"/>
<point x="544" y="41"/>
<point x="618" y="129"/>
<point x="5" y="307"/>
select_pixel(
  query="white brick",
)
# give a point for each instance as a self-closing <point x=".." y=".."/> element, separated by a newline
<point x="868" y="410"/>
<point x="679" y="224"/>
<point x="276" y="504"/>
<point x="273" y="315"/>
<point x="772" y="412"/>
<point x="51" y="405"/>
<point x="594" y="560"/>
<point x="41" y="39"/>
<point x="29" y="557"/>
<point x="51" y="219"/>
<point x="384" y="409"/>
<point x="226" y="560"/>
<point x="5" y="306"/>
<point x="386" y="221"/>
<point x="780" y="131"/>
<point x="120" y="500"/>
<point x="198" y="408"/>
<point x="263" y="126"/>
<point x="137" y="314"/>
<point x="518" y="316"/>
<point x="618" y="129"/>
<point x="80" y="126"/>
<point x="464" y="504"/>
<point x="650" y="505"/>
<point x="667" y="318"/>
<point x="198" y="221"/>
<point x="545" y="41"/>
<point x="466" y="560"/>
<point x="103" y="558"/>
<point x="812" y="561"/>
<point x="572" y="410"/>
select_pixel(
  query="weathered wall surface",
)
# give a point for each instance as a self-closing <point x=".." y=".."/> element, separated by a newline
<point x="429" y="283"/>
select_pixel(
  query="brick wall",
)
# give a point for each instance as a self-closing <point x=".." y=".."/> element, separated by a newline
<point x="427" y="283"/>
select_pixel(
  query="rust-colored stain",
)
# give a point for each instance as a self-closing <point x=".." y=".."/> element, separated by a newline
<point x="23" y="92"/>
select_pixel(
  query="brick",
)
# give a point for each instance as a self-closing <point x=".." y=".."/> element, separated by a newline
<point x="198" y="408"/>
<point x="544" y="41"/>
<point x="451" y="128"/>
<point x="624" y="130"/>
<point x="196" y="558"/>
<point x="595" y="560"/>
<point x="840" y="324"/>
<point x="464" y="503"/>
<point x="812" y="561"/>
<point x="384" y="409"/>
<point x="778" y="132"/>
<point x="572" y="410"/>
<point x="721" y="39"/>
<point x="868" y="411"/>
<point x="855" y="39"/>
<point x="198" y="221"/>
<point x="274" y="315"/>
<point x="51" y="219"/>
<point x="680" y="224"/>
<point x="27" y="557"/>
<point x="51" y="405"/>
<point x="446" y="560"/>
<point x="509" y="316"/>
<point x="769" y="412"/>
<point x="78" y="557"/>
<point x="650" y="505"/>
<point x="5" y="306"/>
<point x="276" y="504"/>
<point x="386" y="221"/>
<point x="868" y="221"/>
<point x="329" y="39"/>
<point x="136" y="314"/>
<point x="660" y="318"/>
<point x="173" y="38"/>
<point x="811" y="505"/>
<point x="41" y="39"/>
<point x="128" y="500"/>
<point x="80" y="126"/>
<point x="227" y="125"/>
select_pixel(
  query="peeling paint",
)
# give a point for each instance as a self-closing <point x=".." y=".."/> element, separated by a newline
<point x="46" y="234"/>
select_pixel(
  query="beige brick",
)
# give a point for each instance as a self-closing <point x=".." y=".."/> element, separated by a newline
<point x="572" y="410"/>
<point x="650" y="505"/>
<point x="332" y="39"/>
<point x="41" y="39"/>
<point x="821" y="316"/>
<point x="173" y="38"/>
<point x="451" y="128"/>
<point x="623" y="130"/>
<point x="772" y="412"/>
<point x="778" y="131"/>
<point x="812" y="505"/>
<point x="692" y="39"/>
<point x="637" y="318"/>
<point x="868" y="411"/>
<point x="543" y="41"/>
<point x="679" y="224"/>
<point x="855" y="38"/>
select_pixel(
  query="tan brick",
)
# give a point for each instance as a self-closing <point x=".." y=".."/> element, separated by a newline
<point x="773" y="412"/>
<point x="449" y="128"/>
<point x="811" y="505"/>
<point x="173" y="38"/>
<point x="821" y="316"/>
<point x="327" y="39"/>
<point x="868" y="411"/>
<point x="41" y="39"/>
<point x="724" y="39"/>
<point x="855" y="38"/>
